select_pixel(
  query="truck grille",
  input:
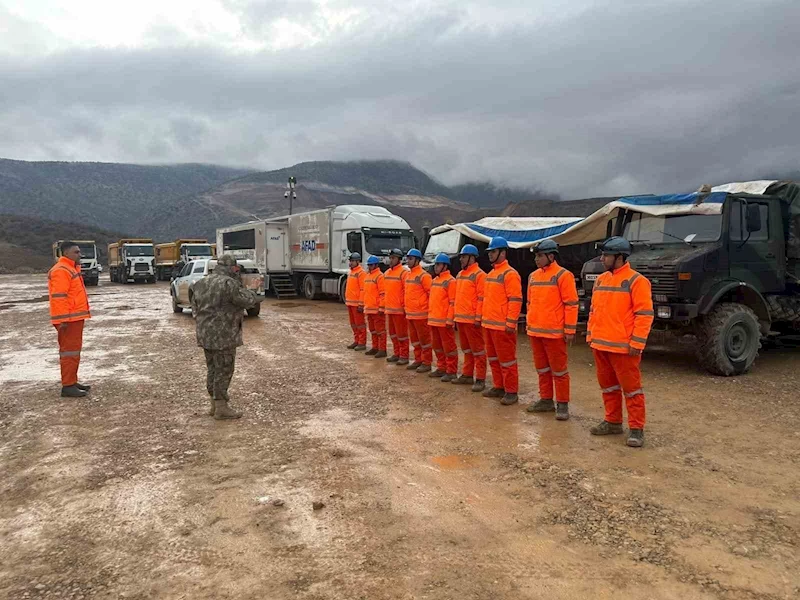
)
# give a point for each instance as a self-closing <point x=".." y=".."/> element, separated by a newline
<point x="663" y="279"/>
<point x="141" y="267"/>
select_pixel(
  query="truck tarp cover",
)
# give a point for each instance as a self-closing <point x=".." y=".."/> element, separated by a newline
<point x="521" y="232"/>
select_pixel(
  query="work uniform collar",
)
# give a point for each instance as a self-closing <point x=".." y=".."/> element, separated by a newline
<point x="356" y="269"/>
<point x="551" y="267"/>
<point x="417" y="269"/>
<point x="500" y="265"/>
<point x="623" y="269"/>
<point x="69" y="263"/>
<point x="470" y="268"/>
<point x="444" y="275"/>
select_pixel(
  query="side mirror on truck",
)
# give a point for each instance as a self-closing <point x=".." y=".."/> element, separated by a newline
<point x="753" y="218"/>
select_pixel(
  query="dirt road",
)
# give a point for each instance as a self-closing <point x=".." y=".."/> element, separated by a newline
<point x="429" y="491"/>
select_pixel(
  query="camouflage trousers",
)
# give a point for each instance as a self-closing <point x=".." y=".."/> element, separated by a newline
<point x="220" y="365"/>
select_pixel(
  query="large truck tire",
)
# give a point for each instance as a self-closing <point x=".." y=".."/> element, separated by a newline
<point x="175" y="307"/>
<point x="311" y="287"/>
<point x="729" y="338"/>
<point x="343" y="290"/>
<point x="254" y="312"/>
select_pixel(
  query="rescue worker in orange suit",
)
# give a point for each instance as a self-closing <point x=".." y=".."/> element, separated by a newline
<point x="552" y="318"/>
<point x="502" y="303"/>
<point x="394" y="284"/>
<point x="619" y="323"/>
<point x="417" y="294"/>
<point x="375" y="307"/>
<point x="440" y="319"/>
<point x="469" y="304"/>
<point x="69" y="308"/>
<point x="354" y="298"/>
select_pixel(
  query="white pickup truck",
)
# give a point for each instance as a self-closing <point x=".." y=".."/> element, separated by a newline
<point x="180" y="288"/>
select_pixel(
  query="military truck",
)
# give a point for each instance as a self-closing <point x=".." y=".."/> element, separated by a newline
<point x="178" y="253"/>
<point x="724" y="266"/>
<point x="132" y="259"/>
<point x="90" y="268"/>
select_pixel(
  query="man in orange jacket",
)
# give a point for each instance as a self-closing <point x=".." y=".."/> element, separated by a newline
<point x="502" y="303"/>
<point x="354" y="298"/>
<point x="469" y="305"/>
<point x="394" y="280"/>
<point x="69" y="308"/>
<point x="440" y="320"/>
<point x="552" y="316"/>
<point x="375" y="307"/>
<point x="417" y="292"/>
<point x="619" y="323"/>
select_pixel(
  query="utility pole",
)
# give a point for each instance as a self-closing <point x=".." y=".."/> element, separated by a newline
<point x="291" y="194"/>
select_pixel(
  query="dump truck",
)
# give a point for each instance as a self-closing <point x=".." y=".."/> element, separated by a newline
<point x="132" y="259"/>
<point x="724" y="266"/>
<point x="178" y="253"/>
<point x="90" y="268"/>
<point x="308" y="252"/>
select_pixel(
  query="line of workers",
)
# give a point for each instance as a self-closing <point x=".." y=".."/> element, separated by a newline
<point x="483" y="309"/>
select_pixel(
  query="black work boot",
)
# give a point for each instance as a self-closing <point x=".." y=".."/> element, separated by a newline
<point x="606" y="428"/>
<point x="402" y="362"/>
<point x="414" y="366"/>
<point x="437" y="373"/>
<point x="352" y="346"/>
<point x="371" y="352"/>
<point x="83" y="388"/>
<point x="360" y="348"/>
<point x="462" y="380"/>
<point x="562" y="411"/>
<point x="72" y="391"/>
<point x="380" y="354"/>
<point x="635" y="438"/>
<point x="424" y="369"/>
<point x="479" y="385"/>
<point x="541" y="406"/>
<point x="448" y="377"/>
<point x="509" y="399"/>
<point x="393" y="358"/>
<point x="494" y="393"/>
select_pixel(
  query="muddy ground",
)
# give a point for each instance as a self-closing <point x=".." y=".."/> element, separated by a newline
<point x="429" y="491"/>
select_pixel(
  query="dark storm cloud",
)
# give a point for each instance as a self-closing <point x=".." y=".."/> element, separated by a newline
<point x="609" y="99"/>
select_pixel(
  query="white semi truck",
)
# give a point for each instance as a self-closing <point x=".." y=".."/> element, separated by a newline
<point x="308" y="252"/>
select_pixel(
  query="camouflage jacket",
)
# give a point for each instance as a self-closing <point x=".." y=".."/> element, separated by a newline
<point x="219" y="302"/>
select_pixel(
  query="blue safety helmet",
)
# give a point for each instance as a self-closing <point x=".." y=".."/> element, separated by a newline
<point x="469" y="250"/>
<point x="442" y="258"/>
<point x="414" y="253"/>
<point x="373" y="260"/>
<point x="498" y="243"/>
<point x="355" y="256"/>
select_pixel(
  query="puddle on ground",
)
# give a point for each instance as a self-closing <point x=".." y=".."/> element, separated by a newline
<point x="452" y="462"/>
<point x="288" y="305"/>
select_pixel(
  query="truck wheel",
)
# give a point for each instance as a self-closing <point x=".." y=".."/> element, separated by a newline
<point x="311" y="287"/>
<point x="175" y="307"/>
<point x="728" y="339"/>
<point x="343" y="290"/>
<point x="253" y="312"/>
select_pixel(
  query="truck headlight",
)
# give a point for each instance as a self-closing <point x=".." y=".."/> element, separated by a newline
<point x="664" y="312"/>
<point x="581" y="292"/>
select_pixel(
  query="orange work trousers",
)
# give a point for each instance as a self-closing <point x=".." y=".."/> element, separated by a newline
<point x="444" y="345"/>
<point x="377" y="329"/>
<point x="550" y="360"/>
<point x="70" y="342"/>
<point x="501" y="348"/>
<point x="471" y="338"/>
<point x="398" y="331"/>
<point x="420" y="333"/>
<point x="618" y="374"/>
<point x="358" y="324"/>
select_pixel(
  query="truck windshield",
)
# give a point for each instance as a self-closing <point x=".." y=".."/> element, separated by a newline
<point x="138" y="250"/>
<point x="199" y="250"/>
<point x="87" y="251"/>
<point x="446" y="242"/>
<point x="673" y="230"/>
<point x="381" y="245"/>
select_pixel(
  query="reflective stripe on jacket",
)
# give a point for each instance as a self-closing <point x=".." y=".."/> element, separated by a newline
<point x="394" y="283"/>
<point x="68" y="299"/>
<point x="552" y="302"/>
<point x="417" y="291"/>
<point x="442" y="303"/>
<point x="622" y="311"/>
<point x="374" y="293"/>
<point x="354" y="293"/>
<point x="469" y="294"/>
<point x="502" y="298"/>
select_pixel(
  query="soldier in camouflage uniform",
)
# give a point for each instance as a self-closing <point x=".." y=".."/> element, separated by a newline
<point x="219" y="302"/>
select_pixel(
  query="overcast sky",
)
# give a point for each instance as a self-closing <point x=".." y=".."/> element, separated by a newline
<point x="582" y="98"/>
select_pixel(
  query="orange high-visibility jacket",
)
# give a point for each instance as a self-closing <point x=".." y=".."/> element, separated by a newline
<point x="374" y="293"/>
<point x="552" y="302"/>
<point x="469" y="295"/>
<point x="68" y="299"/>
<point x="394" y="280"/>
<point x="354" y="293"/>
<point x="418" y="289"/>
<point x="502" y="298"/>
<point x="622" y="311"/>
<point x="442" y="304"/>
